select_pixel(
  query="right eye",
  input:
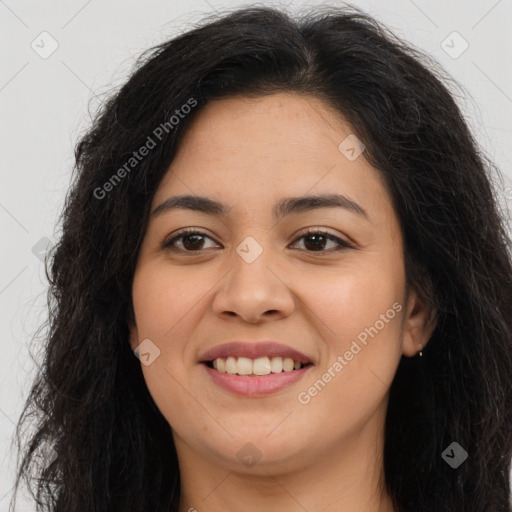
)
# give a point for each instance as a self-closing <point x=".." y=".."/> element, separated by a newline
<point x="189" y="238"/>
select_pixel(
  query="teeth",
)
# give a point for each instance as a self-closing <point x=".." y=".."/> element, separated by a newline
<point x="276" y="364"/>
<point x="244" y="365"/>
<point x="258" y="366"/>
<point x="231" y="366"/>
<point x="261" y="366"/>
<point x="221" y="365"/>
<point x="287" y="364"/>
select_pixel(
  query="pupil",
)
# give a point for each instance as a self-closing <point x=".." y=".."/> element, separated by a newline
<point x="194" y="244"/>
<point x="316" y="244"/>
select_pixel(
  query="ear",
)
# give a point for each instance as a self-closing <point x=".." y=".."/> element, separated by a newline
<point x="418" y="324"/>
<point x="134" y="335"/>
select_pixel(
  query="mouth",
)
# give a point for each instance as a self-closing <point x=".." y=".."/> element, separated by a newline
<point x="255" y="369"/>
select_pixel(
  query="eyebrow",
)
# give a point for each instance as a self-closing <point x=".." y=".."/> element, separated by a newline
<point x="287" y="206"/>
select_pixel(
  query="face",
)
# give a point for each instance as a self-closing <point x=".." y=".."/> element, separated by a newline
<point x="249" y="272"/>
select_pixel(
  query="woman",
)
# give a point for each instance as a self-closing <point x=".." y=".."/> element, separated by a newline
<point x="291" y="227"/>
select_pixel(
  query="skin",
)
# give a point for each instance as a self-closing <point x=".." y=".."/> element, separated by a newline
<point x="325" y="455"/>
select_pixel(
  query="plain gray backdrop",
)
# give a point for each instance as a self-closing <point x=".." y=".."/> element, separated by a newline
<point x="56" y="56"/>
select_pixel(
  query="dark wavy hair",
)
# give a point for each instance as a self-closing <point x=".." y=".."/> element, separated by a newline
<point x="90" y="402"/>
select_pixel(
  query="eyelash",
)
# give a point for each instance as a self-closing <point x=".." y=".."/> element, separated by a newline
<point x="191" y="231"/>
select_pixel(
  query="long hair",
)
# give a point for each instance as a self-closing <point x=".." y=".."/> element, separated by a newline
<point x="89" y="403"/>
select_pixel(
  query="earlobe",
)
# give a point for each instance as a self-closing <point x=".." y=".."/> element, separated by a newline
<point x="133" y="337"/>
<point x="132" y="327"/>
<point x="418" y="325"/>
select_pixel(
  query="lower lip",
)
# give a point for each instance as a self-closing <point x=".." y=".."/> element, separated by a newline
<point x="256" y="386"/>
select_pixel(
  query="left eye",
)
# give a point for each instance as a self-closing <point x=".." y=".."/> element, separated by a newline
<point x="192" y="241"/>
<point x="320" y="239"/>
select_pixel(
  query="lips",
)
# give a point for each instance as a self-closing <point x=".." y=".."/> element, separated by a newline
<point x="252" y="387"/>
<point x="254" y="350"/>
<point x="255" y="369"/>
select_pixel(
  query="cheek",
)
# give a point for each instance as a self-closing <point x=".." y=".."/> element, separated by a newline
<point x="361" y="358"/>
<point x="159" y="304"/>
<point x="162" y="304"/>
<point x="167" y="304"/>
<point x="163" y="300"/>
<point x="353" y="298"/>
<point x="359" y="318"/>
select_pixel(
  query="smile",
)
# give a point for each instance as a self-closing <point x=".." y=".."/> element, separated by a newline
<point x="255" y="377"/>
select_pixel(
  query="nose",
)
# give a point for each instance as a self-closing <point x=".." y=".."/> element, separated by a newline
<point x="254" y="290"/>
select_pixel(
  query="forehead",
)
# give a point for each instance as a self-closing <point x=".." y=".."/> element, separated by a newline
<point x="256" y="150"/>
<point x="283" y="126"/>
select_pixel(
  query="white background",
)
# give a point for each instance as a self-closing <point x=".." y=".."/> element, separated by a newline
<point x="44" y="108"/>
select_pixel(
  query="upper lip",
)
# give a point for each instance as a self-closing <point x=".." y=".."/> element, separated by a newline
<point x="253" y="350"/>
